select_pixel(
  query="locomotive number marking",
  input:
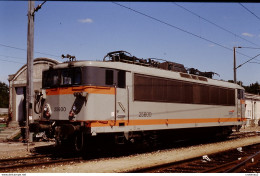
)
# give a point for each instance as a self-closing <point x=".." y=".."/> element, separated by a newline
<point x="59" y="108"/>
<point x="145" y="114"/>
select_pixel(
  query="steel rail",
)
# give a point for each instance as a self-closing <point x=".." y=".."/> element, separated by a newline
<point x="243" y="163"/>
<point x="30" y="164"/>
<point x="219" y="168"/>
<point x="22" y="158"/>
<point x="146" y="169"/>
<point x="229" y="166"/>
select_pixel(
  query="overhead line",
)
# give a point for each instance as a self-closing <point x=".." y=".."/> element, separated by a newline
<point x="254" y="62"/>
<point x="180" y="29"/>
<point x="12" y="57"/>
<point x="11" y="61"/>
<point x="26" y="50"/>
<point x="220" y="27"/>
<point x="250" y="11"/>
<point x="168" y="24"/>
<point x="249" y="47"/>
<point x="12" y="47"/>
<point x="248" y="60"/>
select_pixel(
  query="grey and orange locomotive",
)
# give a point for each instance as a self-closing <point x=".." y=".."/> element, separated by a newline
<point x="124" y="99"/>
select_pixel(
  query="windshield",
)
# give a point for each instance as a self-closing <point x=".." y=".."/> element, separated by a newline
<point x="61" y="77"/>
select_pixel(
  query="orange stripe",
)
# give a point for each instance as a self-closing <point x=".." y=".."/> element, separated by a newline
<point x="89" y="89"/>
<point x="158" y="122"/>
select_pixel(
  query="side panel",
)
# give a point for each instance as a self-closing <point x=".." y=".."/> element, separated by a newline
<point x="157" y="116"/>
<point x="99" y="107"/>
<point x="147" y="115"/>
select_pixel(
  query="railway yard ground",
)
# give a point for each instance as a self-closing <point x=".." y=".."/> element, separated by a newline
<point x="125" y="163"/>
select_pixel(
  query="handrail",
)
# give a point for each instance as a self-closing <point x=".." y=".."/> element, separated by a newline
<point x="115" y="105"/>
<point x="127" y="88"/>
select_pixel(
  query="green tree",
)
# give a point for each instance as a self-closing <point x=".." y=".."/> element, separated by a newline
<point x="253" y="88"/>
<point x="4" y="95"/>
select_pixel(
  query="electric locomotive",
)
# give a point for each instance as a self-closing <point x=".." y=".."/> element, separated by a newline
<point x="126" y="99"/>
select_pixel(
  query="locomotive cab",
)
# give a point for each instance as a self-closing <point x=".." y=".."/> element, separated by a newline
<point x="78" y="97"/>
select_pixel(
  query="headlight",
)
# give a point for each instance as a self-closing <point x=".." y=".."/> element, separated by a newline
<point x="47" y="111"/>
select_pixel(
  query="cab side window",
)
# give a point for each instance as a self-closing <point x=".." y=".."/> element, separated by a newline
<point x="109" y="77"/>
<point x="115" y="77"/>
<point x="121" y="79"/>
<point x="240" y="94"/>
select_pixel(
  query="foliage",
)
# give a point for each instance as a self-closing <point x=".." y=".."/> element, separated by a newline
<point x="4" y="95"/>
<point x="253" y="88"/>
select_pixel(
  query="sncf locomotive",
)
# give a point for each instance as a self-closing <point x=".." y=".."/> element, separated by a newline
<point x="126" y="99"/>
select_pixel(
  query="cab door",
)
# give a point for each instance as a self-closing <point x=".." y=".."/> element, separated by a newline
<point x="121" y="98"/>
<point x="240" y="104"/>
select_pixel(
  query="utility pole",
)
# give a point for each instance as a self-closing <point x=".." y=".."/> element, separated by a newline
<point x="235" y="71"/>
<point x="30" y="56"/>
<point x="235" y="67"/>
<point x="235" y="74"/>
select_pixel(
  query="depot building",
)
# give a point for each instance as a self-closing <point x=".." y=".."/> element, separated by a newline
<point x="252" y="112"/>
<point x="17" y="87"/>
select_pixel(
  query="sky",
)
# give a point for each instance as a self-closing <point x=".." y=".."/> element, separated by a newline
<point x="197" y="35"/>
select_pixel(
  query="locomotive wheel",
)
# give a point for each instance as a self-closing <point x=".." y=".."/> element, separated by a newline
<point x="64" y="145"/>
<point x="79" y="141"/>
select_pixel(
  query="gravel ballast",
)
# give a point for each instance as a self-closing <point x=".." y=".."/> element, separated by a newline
<point x="130" y="163"/>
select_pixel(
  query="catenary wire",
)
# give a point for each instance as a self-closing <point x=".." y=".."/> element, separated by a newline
<point x="214" y="24"/>
<point x="248" y="60"/>
<point x="12" y="57"/>
<point x="249" y="47"/>
<point x="250" y="11"/>
<point x="178" y="28"/>
<point x="11" y="61"/>
<point x="8" y="46"/>
<point x="254" y="62"/>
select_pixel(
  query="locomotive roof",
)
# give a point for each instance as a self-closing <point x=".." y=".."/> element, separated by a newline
<point x="147" y="71"/>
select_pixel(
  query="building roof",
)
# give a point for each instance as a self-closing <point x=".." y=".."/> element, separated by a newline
<point x="41" y="60"/>
<point x="249" y="96"/>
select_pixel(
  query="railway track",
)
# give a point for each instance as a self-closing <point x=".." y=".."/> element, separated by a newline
<point x="246" y="159"/>
<point x="24" y="162"/>
<point x="236" y="135"/>
<point x="47" y="155"/>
